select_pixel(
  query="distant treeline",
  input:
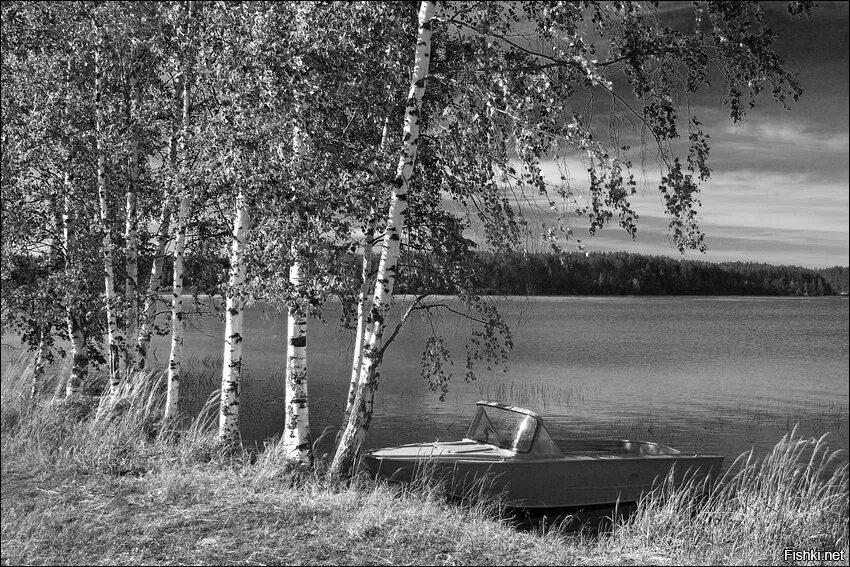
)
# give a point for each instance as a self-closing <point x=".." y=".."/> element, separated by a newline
<point x="621" y="273"/>
<point x="599" y="273"/>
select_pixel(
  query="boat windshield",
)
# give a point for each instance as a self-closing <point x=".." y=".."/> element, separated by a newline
<point x="504" y="428"/>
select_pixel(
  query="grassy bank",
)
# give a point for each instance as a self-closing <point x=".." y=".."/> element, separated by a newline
<point x="105" y="482"/>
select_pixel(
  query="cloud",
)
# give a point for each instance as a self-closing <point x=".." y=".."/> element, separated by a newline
<point x="755" y="215"/>
<point x="795" y="134"/>
<point x="778" y="201"/>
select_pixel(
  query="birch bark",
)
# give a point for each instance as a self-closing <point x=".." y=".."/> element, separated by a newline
<point x="38" y="366"/>
<point x="361" y="414"/>
<point x="296" y="434"/>
<point x="178" y="324"/>
<point x="184" y="194"/>
<point x="364" y="302"/>
<point x="131" y="230"/>
<point x="228" y="422"/>
<point x="115" y="339"/>
<point x="79" y="350"/>
<point x="79" y="356"/>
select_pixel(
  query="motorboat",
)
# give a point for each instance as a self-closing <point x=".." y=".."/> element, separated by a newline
<point x="509" y="454"/>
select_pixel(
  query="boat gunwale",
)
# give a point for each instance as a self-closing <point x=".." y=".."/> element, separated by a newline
<point x="513" y="460"/>
<point x="527" y="457"/>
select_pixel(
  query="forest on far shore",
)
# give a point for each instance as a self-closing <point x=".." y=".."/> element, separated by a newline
<point x="623" y="273"/>
<point x="593" y="273"/>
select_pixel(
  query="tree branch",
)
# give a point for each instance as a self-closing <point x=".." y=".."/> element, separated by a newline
<point x="413" y="307"/>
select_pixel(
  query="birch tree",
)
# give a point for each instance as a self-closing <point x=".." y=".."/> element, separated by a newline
<point x="358" y="424"/>
<point x="47" y="120"/>
<point x="169" y="49"/>
<point x="131" y="237"/>
<point x="39" y="287"/>
<point x="239" y="166"/>
<point x="228" y="424"/>
<point x="178" y="326"/>
<point x="141" y="61"/>
<point x="152" y="297"/>
<point x="77" y="324"/>
<point x="75" y="318"/>
<point x="296" y="434"/>
<point x="115" y="337"/>
<point x="303" y="221"/>
<point x="364" y="298"/>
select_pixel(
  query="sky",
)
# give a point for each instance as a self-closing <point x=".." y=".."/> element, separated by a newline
<point x="778" y="192"/>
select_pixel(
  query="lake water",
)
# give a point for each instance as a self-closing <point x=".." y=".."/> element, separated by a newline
<point x="712" y="374"/>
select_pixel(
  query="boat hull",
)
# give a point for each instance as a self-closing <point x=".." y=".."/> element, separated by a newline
<point x="569" y="482"/>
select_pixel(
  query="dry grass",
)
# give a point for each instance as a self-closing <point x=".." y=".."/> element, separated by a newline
<point x="796" y="497"/>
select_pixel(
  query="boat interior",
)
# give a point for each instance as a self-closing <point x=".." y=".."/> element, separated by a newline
<point x="612" y="447"/>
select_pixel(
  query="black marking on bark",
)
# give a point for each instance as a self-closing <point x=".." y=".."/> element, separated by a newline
<point x="298" y="341"/>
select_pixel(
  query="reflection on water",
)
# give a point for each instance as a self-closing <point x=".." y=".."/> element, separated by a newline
<point x="702" y="374"/>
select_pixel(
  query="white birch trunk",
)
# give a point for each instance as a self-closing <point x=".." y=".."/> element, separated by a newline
<point x="79" y="350"/>
<point x="228" y="422"/>
<point x="364" y="301"/>
<point x="364" y="304"/>
<point x="361" y="414"/>
<point x="38" y="366"/>
<point x="115" y="339"/>
<point x="296" y="433"/>
<point x="131" y="232"/>
<point x="178" y="324"/>
<point x="79" y="356"/>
